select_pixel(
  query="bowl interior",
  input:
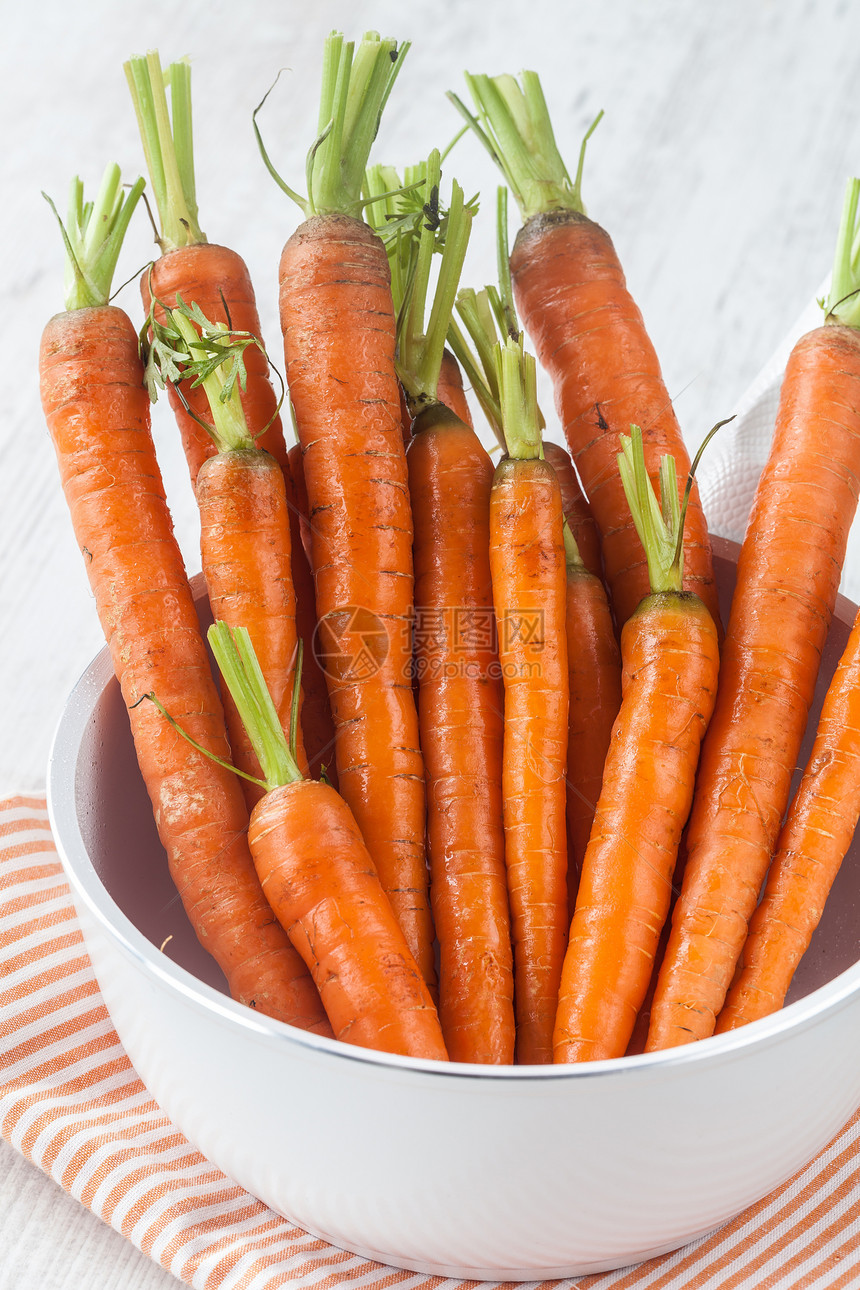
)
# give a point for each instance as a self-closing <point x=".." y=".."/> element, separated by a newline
<point x="119" y="833"/>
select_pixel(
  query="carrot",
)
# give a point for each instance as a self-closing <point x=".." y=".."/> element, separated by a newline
<point x="787" y="579"/>
<point x="450" y="389"/>
<point x="577" y="512"/>
<point x="214" y="277"/>
<point x="460" y="692"/>
<point x="594" y="682"/>
<point x="339" y="333"/>
<point x="97" y="409"/>
<point x="812" y="845"/>
<point x="528" y="571"/>
<point x="587" y="332"/>
<point x="671" y="658"/>
<point x="317" y="724"/>
<point x="245" y="544"/>
<point x="322" y="884"/>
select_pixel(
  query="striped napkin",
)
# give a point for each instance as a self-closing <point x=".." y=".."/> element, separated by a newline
<point x="71" y="1103"/>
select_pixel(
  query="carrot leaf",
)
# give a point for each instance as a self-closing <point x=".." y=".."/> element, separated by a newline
<point x="512" y="121"/>
<point x="843" y="300"/>
<point x="167" y="145"/>
<point x="237" y="661"/>
<point x="92" y="235"/>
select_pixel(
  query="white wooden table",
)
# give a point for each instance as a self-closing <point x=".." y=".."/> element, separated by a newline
<point x="729" y="132"/>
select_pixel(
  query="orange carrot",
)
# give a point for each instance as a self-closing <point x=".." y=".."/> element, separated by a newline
<point x="322" y="884"/>
<point x="339" y="331"/>
<point x="529" y="592"/>
<point x="671" y="658"/>
<point x="577" y="512"/>
<point x="588" y="334"/>
<point x="97" y="411"/>
<point x="460" y="692"/>
<point x="594" y="682"/>
<point x="787" y="579"/>
<point x="812" y="845"/>
<point x="450" y="389"/>
<point x="191" y="268"/>
<point x="245" y="544"/>
<point x="317" y="724"/>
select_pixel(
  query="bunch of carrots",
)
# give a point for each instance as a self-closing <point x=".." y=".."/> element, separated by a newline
<point x="480" y="775"/>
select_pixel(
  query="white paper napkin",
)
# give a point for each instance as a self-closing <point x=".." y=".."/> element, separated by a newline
<point x="730" y="468"/>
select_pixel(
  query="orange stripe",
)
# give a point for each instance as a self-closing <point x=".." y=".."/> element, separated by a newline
<point x="715" y="1244"/>
<point x="185" y="1206"/>
<point x="20" y="800"/>
<point x="95" y="1125"/>
<point x="30" y="956"/>
<point x="223" y="1194"/>
<point x="9" y="827"/>
<point x="40" y="924"/>
<point x="50" y="977"/>
<point x="34" y="847"/>
<point x="30" y="1047"/>
<point x="124" y="1155"/>
<point x="849" y="1275"/>
<point x="230" y="1240"/>
<point x="79" y="1160"/>
<point x="36" y="873"/>
<point x="815" y="1242"/>
<point x="31" y="900"/>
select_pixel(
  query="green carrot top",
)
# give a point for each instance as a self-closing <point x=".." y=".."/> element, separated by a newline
<point x="512" y="121"/>
<point x="842" y="304"/>
<point x="658" y="523"/>
<point x="356" y="83"/>
<point x="167" y="144"/>
<point x="93" y="235"/>
<point x="188" y="347"/>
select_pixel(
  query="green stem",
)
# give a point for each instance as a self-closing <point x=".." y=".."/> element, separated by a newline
<point x="843" y="300"/>
<point x="657" y="523"/>
<point x="93" y="235"/>
<point x="168" y="147"/>
<point x="356" y="83"/>
<point x="421" y="345"/>
<point x="180" y="730"/>
<point x="513" y="123"/>
<point x="517" y="377"/>
<point x="243" y="677"/>
<point x="572" y="557"/>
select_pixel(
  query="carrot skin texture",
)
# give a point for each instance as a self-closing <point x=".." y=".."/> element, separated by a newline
<point x="339" y="337"/>
<point x="317" y="723"/>
<point x="787" y="579"/>
<point x="97" y="411"/>
<point x="577" y="512"/>
<point x="449" y="389"/>
<point x="321" y="882"/>
<point x="671" y="661"/>
<point x="246" y="558"/>
<point x="460" y="710"/>
<point x="812" y="845"/>
<point x="594" y="683"/>
<point x="202" y="274"/>
<point x="589" y="335"/>
<point x="529" y="593"/>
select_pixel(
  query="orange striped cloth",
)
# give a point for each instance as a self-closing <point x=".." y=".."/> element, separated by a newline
<point x="72" y="1104"/>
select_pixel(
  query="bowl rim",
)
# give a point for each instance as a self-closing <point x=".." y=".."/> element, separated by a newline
<point x="86" y="883"/>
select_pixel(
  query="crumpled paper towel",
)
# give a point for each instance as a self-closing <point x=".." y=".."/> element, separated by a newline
<point x="731" y="465"/>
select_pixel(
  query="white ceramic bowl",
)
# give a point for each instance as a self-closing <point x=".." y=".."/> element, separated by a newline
<point x="511" y="1174"/>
